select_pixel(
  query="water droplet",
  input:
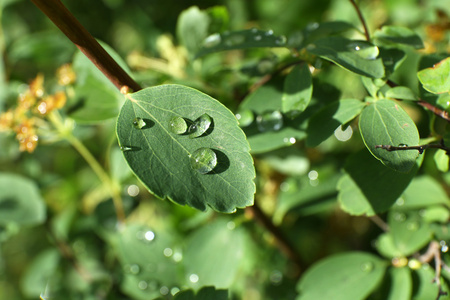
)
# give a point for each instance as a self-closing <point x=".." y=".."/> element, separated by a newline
<point x="258" y="38"/>
<point x="149" y="235"/>
<point x="164" y="290"/>
<point x="200" y="126"/>
<point x="400" y="202"/>
<point x="343" y="135"/>
<point x="193" y="278"/>
<point x="177" y="256"/>
<point x="413" y="226"/>
<point x="245" y="117"/>
<point x="312" y="26"/>
<point x="139" y="123"/>
<point x="142" y="285"/>
<point x="364" y="50"/>
<point x="231" y="225"/>
<point x="203" y="160"/>
<point x="174" y="291"/>
<point x="133" y="190"/>
<point x="178" y="125"/>
<point x="399" y="217"/>
<point x="444" y="248"/>
<point x="125" y="148"/>
<point x="285" y="186"/>
<point x="271" y="120"/>
<point x="313" y="175"/>
<point x="254" y="30"/>
<point x="367" y="266"/>
<point x="276" y="277"/>
<point x="269" y="32"/>
<point x="168" y="252"/>
<point x="212" y="40"/>
<point x="402" y="145"/>
<point x="281" y="40"/>
<point x="234" y="40"/>
<point x="134" y="269"/>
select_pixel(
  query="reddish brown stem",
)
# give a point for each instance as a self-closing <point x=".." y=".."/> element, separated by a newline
<point x="69" y="25"/>
<point x="361" y="18"/>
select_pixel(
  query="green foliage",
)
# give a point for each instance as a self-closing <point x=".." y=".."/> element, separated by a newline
<point x="327" y="147"/>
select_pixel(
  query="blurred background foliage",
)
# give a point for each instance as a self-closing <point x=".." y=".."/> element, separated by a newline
<point x="79" y="250"/>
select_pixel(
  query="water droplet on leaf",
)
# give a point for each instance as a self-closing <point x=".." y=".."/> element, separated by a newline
<point x="200" y="126"/>
<point x="254" y="30"/>
<point x="234" y="40"/>
<point x="367" y="266"/>
<point x="413" y="226"/>
<point x="312" y="26"/>
<point x="269" y="32"/>
<point x="164" y="290"/>
<point x="203" y="160"/>
<point x="142" y="285"/>
<point x="245" y="117"/>
<point x="364" y="50"/>
<point x="258" y="38"/>
<point x="271" y="120"/>
<point x="125" y="148"/>
<point x="193" y="278"/>
<point x="212" y="40"/>
<point x="178" y="125"/>
<point x="138" y="123"/>
<point x="135" y="269"/>
<point x="399" y="217"/>
<point x="281" y="40"/>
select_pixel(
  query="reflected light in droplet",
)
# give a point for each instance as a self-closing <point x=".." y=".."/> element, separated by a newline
<point x="149" y="235"/>
<point x="164" y="290"/>
<point x="177" y="256"/>
<point x="313" y="175"/>
<point x="142" y="285"/>
<point x="174" y="290"/>
<point x="343" y="135"/>
<point x="133" y="190"/>
<point x="193" y="278"/>
<point x="168" y="252"/>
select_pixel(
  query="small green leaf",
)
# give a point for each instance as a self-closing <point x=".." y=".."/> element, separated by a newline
<point x="435" y="213"/>
<point x="368" y="187"/>
<point x="436" y="79"/>
<point x="359" y="57"/>
<point x="422" y="192"/>
<point x="396" y="35"/>
<point x="385" y="246"/>
<point x="297" y="89"/>
<point x="242" y="39"/>
<point x="323" y="123"/>
<point x="409" y="232"/>
<point x="392" y="59"/>
<point x="401" y="284"/>
<point x="170" y="164"/>
<point x="192" y="28"/>
<point x="20" y="201"/>
<point x="352" y="275"/>
<point x="386" y="123"/>
<point x="441" y="159"/>
<point x="401" y="93"/>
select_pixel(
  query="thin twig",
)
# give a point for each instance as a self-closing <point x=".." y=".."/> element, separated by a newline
<point x="361" y="18"/>
<point x="420" y="148"/>
<point x="380" y="223"/>
<point x="69" y="25"/>
<point x="433" y="251"/>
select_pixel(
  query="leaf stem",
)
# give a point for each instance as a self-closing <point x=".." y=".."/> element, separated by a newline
<point x="420" y="148"/>
<point x="71" y="27"/>
<point x="361" y="18"/>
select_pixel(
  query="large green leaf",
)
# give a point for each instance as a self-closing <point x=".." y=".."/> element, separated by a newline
<point x="368" y="187"/>
<point x="436" y="79"/>
<point x="352" y="275"/>
<point x="242" y="39"/>
<point x="20" y="201"/>
<point x="401" y="286"/>
<point x="386" y="123"/>
<point x="396" y="35"/>
<point x="324" y="122"/>
<point x="297" y="89"/>
<point x="357" y="56"/>
<point x="210" y="169"/>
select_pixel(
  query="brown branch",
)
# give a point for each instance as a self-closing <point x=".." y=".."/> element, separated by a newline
<point x="420" y="148"/>
<point x="69" y="25"/>
<point x="361" y="18"/>
<point x="433" y="251"/>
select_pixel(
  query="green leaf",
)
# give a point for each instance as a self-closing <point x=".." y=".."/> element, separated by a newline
<point x="205" y="293"/>
<point x="386" y="246"/>
<point x="401" y="93"/>
<point x="314" y="31"/>
<point x="352" y="275"/>
<point x="441" y="159"/>
<point x="435" y="213"/>
<point x="424" y="286"/>
<point x="166" y="163"/>
<point x="20" y="201"/>
<point x="359" y="57"/>
<point x="241" y="39"/>
<point x="386" y="123"/>
<point x="323" y="123"/>
<point x="436" y="79"/>
<point x="96" y="98"/>
<point x="297" y="89"/>
<point x="214" y="255"/>
<point x="422" y="192"/>
<point x="396" y="35"/>
<point x="192" y="28"/>
<point x="409" y="232"/>
<point x="401" y="284"/>
<point x="392" y="59"/>
<point x="368" y="187"/>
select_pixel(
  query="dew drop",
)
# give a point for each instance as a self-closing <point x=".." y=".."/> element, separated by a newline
<point x="200" y="126"/>
<point x="281" y="40"/>
<point x="258" y="38"/>
<point x="231" y="225"/>
<point x="177" y="256"/>
<point x="203" y="160"/>
<point x="174" y="291"/>
<point x="269" y="32"/>
<point x="164" y="290"/>
<point x="312" y="26"/>
<point x="245" y="117"/>
<point x="343" y="135"/>
<point x="271" y="120"/>
<point x="399" y="217"/>
<point x="133" y="190"/>
<point x="413" y="226"/>
<point x="254" y="30"/>
<point x="276" y="277"/>
<point x="364" y="50"/>
<point x="168" y="252"/>
<point x="313" y="175"/>
<point x="234" y="40"/>
<point x="142" y="285"/>
<point x="135" y="269"/>
<point x="125" y="148"/>
<point x="149" y="235"/>
<point x="367" y="266"/>
<point x="193" y="278"/>
<point x="178" y="125"/>
<point x="212" y="40"/>
<point x="139" y="123"/>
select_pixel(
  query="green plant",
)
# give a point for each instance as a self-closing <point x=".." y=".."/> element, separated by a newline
<point x="329" y="144"/>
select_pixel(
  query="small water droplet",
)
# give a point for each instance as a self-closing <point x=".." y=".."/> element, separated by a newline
<point x="142" y="285"/>
<point x="168" y="252"/>
<point x="245" y="117"/>
<point x="276" y="277"/>
<point x="193" y="278"/>
<point x="231" y="225"/>
<point x="234" y="40"/>
<point x="281" y="40"/>
<point x="399" y="217"/>
<point x="164" y="290"/>
<point x="313" y="175"/>
<point x="271" y="120"/>
<point x="212" y="40"/>
<point x="254" y="30"/>
<point x="364" y="50"/>
<point x="200" y="126"/>
<point x="285" y="186"/>
<point x="413" y="226"/>
<point x="135" y="269"/>
<point x="258" y="38"/>
<point x="269" y="32"/>
<point x="149" y="235"/>
<point x="177" y="256"/>
<point x="178" y="125"/>
<point x="402" y="145"/>
<point x="139" y="123"/>
<point x="400" y="202"/>
<point x="125" y="148"/>
<point x="312" y="26"/>
<point x="343" y="135"/>
<point x="367" y="266"/>
<point x="133" y="190"/>
<point x="203" y="160"/>
<point x="444" y="248"/>
<point x="175" y="290"/>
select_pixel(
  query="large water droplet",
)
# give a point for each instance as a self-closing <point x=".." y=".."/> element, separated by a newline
<point x="203" y="160"/>
<point x="271" y="120"/>
<point x="367" y="266"/>
<point x="139" y="123"/>
<point x="364" y="50"/>
<point x="178" y="125"/>
<point x="245" y="117"/>
<point x="212" y="40"/>
<point x="200" y="126"/>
